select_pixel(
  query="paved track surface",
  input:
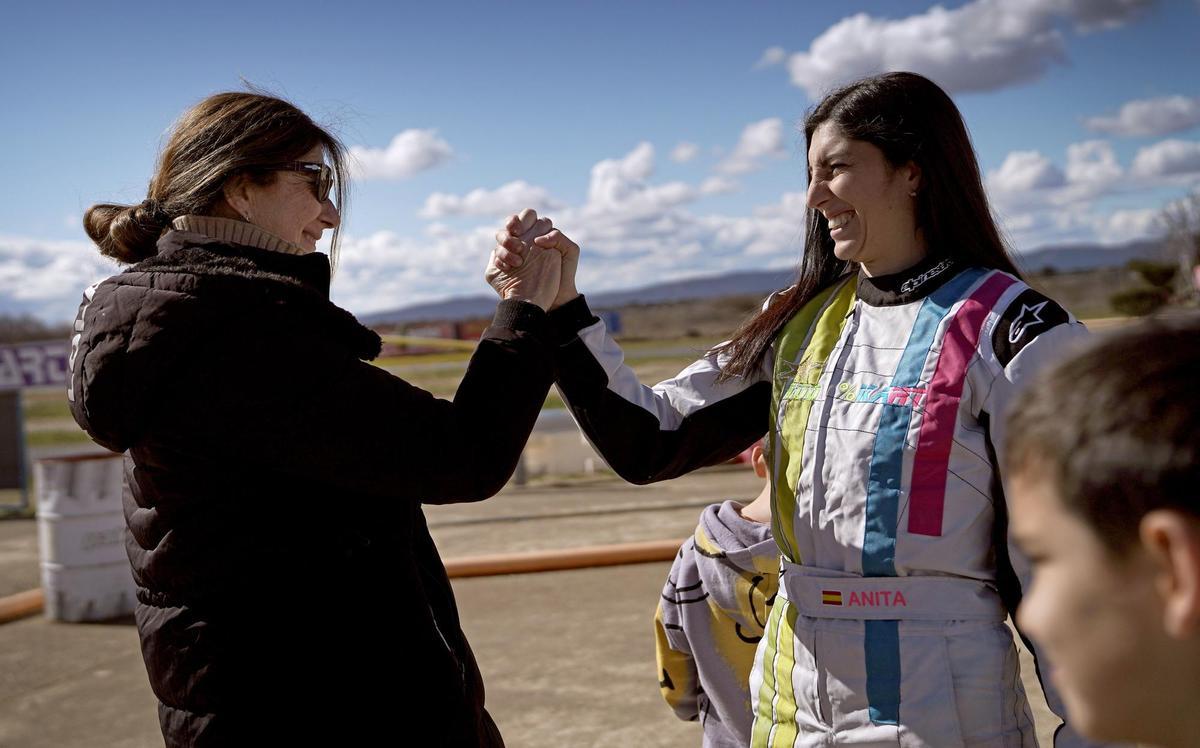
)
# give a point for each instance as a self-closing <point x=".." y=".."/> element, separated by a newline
<point x="568" y="657"/>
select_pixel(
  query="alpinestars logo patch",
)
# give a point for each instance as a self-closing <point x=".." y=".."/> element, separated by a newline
<point x="1026" y="317"/>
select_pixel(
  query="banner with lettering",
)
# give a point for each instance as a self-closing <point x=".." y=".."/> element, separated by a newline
<point x="34" y="365"/>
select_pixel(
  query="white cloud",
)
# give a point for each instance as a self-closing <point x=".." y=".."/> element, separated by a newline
<point x="1079" y="223"/>
<point x="615" y="181"/>
<point x="508" y="198"/>
<point x="980" y="46"/>
<point x="1142" y="117"/>
<point x="684" y="152"/>
<point x="438" y="230"/>
<point x="1127" y="225"/>
<point x="717" y="186"/>
<point x="771" y="57"/>
<point x="1083" y="223"/>
<point x="619" y="189"/>
<point x="1170" y="158"/>
<point x="630" y="249"/>
<point x="1099" y="15"/>
<point x="410" y="152"/>
<point x="776" y="230"/>
<point x="1028" y="180"/>
<point x="1092" y="163"/>
<point x="386" y="270"/>
<point x="47" y="278"/>
<point x="1023" y="171"/>
<point x="1039" y="205"/>
<point x="758" y="140"/>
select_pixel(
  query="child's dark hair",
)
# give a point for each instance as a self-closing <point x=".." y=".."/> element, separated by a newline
<point x="1116" y="428"/>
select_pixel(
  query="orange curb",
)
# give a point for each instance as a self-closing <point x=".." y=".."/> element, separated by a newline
<point x="21" y="605"/>
<point x="558" y="560"/>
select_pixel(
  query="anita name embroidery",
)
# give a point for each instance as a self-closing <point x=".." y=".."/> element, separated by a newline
<point x="873" y="599"/>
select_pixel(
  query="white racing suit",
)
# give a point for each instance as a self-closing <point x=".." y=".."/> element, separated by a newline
<point x="883" y="401"/>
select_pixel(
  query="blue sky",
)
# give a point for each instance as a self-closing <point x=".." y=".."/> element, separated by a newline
<point x="1085" y="114"/>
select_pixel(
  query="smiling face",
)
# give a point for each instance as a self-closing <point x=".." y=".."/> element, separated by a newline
<point x="868" y="203"/>
<point x="287" y="206"/>
<point x="1094" y="616"/>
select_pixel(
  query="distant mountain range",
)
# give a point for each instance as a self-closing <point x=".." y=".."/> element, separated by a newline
<point x="1061" y="259"/>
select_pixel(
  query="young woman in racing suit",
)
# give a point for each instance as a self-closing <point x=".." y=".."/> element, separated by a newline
<point x="881" y="381"/>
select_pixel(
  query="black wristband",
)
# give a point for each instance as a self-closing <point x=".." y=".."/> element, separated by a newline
<point x="521" y="316"/>
<point x="567" y="320"/>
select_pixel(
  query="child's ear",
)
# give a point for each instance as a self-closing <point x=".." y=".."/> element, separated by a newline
<point x="1172" y="539"/>
<point x="758" y="458"/>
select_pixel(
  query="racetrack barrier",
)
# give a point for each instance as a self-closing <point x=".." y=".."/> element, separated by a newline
<point x="562" y="559"/>
<point x="21" y="605"/>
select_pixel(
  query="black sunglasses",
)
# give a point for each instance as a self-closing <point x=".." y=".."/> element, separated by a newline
<point x="322" y="175"/>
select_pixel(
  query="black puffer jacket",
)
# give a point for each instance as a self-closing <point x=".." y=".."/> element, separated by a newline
<point x="288" y="589"/>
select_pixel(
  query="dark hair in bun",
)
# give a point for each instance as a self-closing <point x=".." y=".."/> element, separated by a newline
<point x="126" y="233"/>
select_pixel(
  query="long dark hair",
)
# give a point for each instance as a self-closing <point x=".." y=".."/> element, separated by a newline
<point x="225" y="135"/>
<point x="909" y="118"/>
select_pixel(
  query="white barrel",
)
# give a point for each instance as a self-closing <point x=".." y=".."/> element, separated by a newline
<point x="79" y="485"/>
<point x="82" y="541"/>
<point x="87" y="593"/>
<point x="81" y="538"/>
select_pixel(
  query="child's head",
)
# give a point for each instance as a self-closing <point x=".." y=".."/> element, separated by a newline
<point x="1103" y="462"/>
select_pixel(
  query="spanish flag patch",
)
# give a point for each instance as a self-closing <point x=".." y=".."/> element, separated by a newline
<point x="831" y="597"/>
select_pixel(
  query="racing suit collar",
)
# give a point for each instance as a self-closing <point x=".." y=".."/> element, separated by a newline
<point x="911" y="284"/>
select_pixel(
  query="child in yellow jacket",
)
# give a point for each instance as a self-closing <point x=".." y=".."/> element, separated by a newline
<point x="713" y="611"/>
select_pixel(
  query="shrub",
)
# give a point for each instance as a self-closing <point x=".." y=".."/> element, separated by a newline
<point x="1138" y="302"/>
<point x="1157" y="274"/>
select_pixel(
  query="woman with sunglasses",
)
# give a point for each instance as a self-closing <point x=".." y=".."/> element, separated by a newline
<point x="288" y="590"/>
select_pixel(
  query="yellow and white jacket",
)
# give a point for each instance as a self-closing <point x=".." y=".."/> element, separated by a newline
<point x="710" y="619"/>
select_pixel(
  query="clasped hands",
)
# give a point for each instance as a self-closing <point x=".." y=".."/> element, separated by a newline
<point x="533" y="261"/>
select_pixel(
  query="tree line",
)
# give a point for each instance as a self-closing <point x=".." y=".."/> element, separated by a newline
<point x="27" y="328"/>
